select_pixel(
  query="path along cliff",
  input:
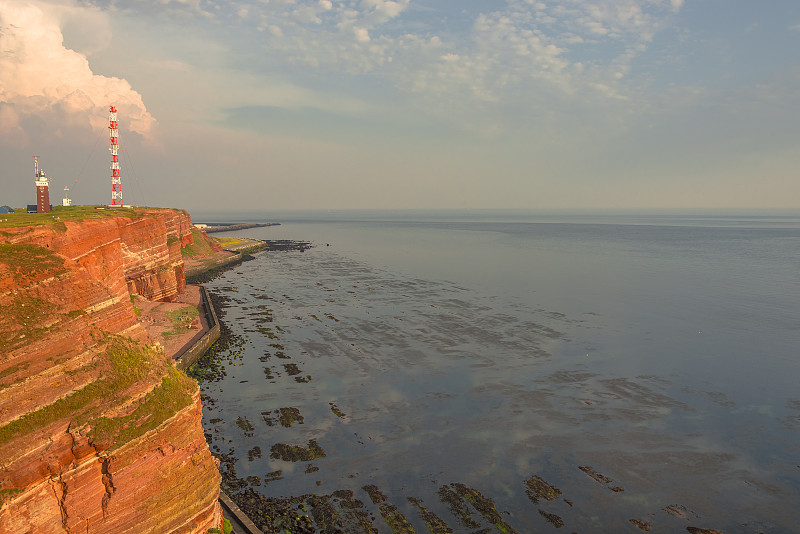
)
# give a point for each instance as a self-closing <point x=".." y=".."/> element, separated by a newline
<point x="99" y="432"/>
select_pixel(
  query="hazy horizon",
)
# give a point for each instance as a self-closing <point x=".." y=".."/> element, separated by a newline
<point x="406" y="104"/>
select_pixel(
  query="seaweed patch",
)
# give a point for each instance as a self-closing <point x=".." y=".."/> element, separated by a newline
<point x="434" y="523"/>
<point x="537" y="488"/>
<point x="295" y="453"/>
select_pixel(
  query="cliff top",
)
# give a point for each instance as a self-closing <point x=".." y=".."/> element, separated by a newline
<point x="61" y="214"/>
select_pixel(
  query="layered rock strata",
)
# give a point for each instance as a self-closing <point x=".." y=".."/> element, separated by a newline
<point x="98" y="430"/>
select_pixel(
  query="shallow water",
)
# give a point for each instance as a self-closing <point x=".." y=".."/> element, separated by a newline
<point x="425" y="351"/>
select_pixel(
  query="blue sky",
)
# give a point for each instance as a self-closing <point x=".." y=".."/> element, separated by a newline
<point x="326" y="104"/>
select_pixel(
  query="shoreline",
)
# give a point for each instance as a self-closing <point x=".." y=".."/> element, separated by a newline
<point x="232" y="511"/>
<point x="201" y="342"/>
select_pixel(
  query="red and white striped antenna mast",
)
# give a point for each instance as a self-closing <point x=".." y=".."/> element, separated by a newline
<point x="116" y="180"/>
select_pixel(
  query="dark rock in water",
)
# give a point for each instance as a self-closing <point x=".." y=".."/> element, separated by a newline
<point x="254" y="453"/>
<point x="295" y="453"/>
<point x="287" y="245"/>
<point x="458" y="507"/>
<point x="434" y="523"/>
<point x="538" y="488"/>
<point x="311" y="468"/>
<point x="599" y="477"/>
<point x="396" y="520"/>
<point x="553" y="519"/>
<point x="375" y="495"/>
<point x="485" y="506"/>
<point x="285" y="416"/>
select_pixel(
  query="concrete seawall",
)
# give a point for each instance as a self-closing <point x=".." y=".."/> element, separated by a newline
<point x="201" y="346"/>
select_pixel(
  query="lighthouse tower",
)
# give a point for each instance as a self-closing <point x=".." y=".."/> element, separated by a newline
<point x="42" y="188"/>
<point x="116" y="180"/>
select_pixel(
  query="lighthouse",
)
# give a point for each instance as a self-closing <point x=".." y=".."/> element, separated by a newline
<point x="42" y="188"/>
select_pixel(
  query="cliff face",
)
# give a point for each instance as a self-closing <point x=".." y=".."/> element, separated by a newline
<point x="98" y="431"/>
<point x="141" y="252"/>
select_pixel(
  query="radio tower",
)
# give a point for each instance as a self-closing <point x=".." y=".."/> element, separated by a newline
<point x="116" y="180"/>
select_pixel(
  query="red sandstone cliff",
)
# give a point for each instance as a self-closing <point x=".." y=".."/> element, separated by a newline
<point x="98" y="431"/>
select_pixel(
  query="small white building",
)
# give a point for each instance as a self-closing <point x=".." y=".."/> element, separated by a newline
<point x="66" y="201"/>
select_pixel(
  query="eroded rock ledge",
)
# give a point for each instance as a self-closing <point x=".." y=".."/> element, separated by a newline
<point x="98" y="430"/>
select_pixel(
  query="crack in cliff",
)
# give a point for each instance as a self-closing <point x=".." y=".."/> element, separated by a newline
<point x="108" y="483"/>
<point x="72" y="445"/>
<point x="62" y="507"/>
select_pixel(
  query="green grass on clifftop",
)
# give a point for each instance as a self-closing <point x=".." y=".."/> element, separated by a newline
<point x="61" y="214"/>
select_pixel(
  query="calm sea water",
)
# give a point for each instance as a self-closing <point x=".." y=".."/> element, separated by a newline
<point x="424" y="349"/>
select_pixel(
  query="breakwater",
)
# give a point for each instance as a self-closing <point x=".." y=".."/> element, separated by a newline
<point x="211" y="228"/>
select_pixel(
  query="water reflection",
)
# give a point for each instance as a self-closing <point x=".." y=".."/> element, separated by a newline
<point x="412" y="383"/>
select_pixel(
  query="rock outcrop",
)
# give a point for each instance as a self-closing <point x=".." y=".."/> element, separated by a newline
<point x="99" y="432"/>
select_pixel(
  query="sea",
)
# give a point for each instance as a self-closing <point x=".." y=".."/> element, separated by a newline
<point x="642" y="368"/>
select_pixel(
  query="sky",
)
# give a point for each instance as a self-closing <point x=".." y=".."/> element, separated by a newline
<point x="405" y="104"/>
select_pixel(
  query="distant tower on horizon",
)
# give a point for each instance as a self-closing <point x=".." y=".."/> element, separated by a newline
<point x="116" y="180"/>
<point x="66" y="201"/>
<point x="42" y="188"/>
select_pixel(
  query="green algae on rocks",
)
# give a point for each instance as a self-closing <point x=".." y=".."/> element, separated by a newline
<point x="538" y="488"/>
<point x="285" y="416"/>
<point x="458" y="507"/>
<point x="336" y="411"/>
<point x="375" y="495"/>
<point x="295" y="453"/>
<point x="434" y="523"/>
<point x="395" y="519"/>
<point x="485" y="506"/>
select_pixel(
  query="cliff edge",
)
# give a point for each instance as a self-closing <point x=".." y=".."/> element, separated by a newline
<point x="99" y="432"/>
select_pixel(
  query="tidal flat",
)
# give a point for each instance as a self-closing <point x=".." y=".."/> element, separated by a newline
<point x="461" y="410"/>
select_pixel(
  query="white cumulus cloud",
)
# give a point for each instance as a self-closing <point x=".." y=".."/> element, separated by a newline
<point x="40" y="77"/>
<point x="362" y="35"/>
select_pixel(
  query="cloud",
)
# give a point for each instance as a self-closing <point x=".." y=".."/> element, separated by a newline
<point x="532" y="54"/>
<point x="362" y="35"/>
<point x="40" y="77"/>
<point x="11" y="132"/>
<point x="384" y="10"/>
